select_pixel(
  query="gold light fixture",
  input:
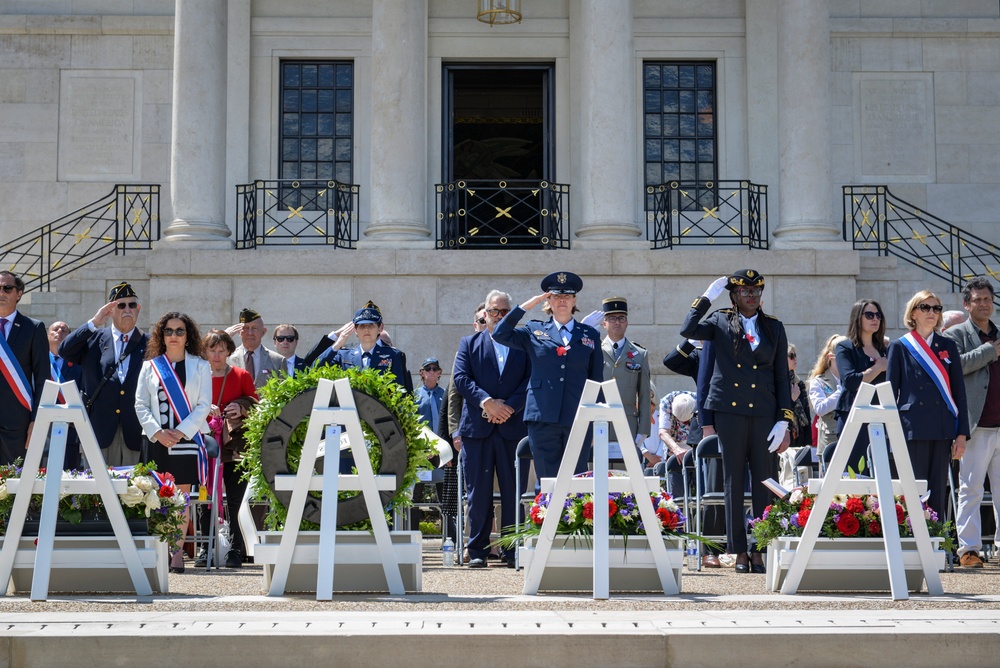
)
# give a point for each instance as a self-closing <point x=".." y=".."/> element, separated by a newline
<point x="499" y="11"/>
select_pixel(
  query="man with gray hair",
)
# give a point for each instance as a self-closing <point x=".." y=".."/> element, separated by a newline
<point x="493" y="380"/>
<point x="951" y="318"/>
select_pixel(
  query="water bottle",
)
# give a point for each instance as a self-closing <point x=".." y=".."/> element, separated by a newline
<point x="448" y="553"/>
<point x="691" y="554"/>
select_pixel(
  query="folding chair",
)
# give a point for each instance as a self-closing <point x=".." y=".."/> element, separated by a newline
<point x="709" y="449"/>
<point x="803" y="459"/>
<point x="215" y="498"/>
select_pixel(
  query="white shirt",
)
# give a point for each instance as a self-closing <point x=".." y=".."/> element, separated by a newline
<point x="122" y="370"/>
<point x="10" y="323"/>
<point x="750" y="330"/>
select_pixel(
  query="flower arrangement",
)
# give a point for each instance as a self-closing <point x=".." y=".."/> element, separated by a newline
<point x="282" y="389"/>
<point x="849" y="516"/>
<point x="150" y="495"/>
<point x="577" y="516"/>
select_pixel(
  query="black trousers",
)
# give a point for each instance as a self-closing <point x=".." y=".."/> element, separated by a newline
<point x="744" y="444"/>
<point x="930" y="460"/>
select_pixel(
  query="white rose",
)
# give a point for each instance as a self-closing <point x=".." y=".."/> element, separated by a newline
<point x="152" y="501"/>
<point x="3" y="491"/>
<point x="132" y="497"/>
<point x="143" y="482"/>
<point x="796" y="496"/>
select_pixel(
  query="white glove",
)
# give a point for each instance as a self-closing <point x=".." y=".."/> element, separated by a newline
<point x="593" y="318"/>
<point x="777" y="435"/>
<point x="717" y="287"/>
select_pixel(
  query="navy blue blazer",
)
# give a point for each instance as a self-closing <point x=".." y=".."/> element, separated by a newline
<point x="477" y="378"/>
<point x="28" y="340"/>
<point x="69" y="372"/>
<point x="852" y="362"/>
<point x="384" y="359"/>
<point x="922" y="409"/>
<point x="94" y="353"/>
<point x="556" y="381"/>
<point x="744" y="381"/>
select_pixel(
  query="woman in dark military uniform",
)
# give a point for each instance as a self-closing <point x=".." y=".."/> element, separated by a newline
<point x="749" y="395"/>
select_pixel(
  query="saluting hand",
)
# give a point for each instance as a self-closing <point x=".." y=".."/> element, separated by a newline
<point x="101" y="317"/>
<point x="535" y="301"/>
<point x="717" y="287"/>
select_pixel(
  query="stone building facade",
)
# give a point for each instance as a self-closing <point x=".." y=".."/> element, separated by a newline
<point x="801" y="96"/>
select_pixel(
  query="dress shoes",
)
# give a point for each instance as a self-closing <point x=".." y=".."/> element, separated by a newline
<point x="710" y="561"/>
<point x="202" y="560"/>
<point x="971" y="560"/>
<point x="234" y="559"/>
<point x="757" y="563"/>
<point x="177" y="562"/>
<point x="477" y="563"/>
<point x="742" y="563"/>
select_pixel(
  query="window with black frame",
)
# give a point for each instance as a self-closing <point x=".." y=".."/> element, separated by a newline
<point x="679" y="129"/>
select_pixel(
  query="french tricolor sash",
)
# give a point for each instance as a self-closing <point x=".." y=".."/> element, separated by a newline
<point x="181" y="406"/>
<point x="917" y="346"/>
<point x="14" y="374"/>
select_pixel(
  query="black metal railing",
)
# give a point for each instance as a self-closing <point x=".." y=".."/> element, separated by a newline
<point x="707" y="213"/>
<point x="291" y="212"/>
<point x="128" y="218"/>
<point x="502" y="214"/>
<point x="878" y="221"/>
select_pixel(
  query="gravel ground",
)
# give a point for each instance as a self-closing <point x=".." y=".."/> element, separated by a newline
<point x="497" y="588"/>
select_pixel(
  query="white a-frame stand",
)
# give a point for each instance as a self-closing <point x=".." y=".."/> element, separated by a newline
<point x="600" y="485"/>
<point x="330" y="483"/>
<point x="879" y="418"/>
<point x="60" y="416"/>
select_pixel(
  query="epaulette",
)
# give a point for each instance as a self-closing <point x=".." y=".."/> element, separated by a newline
<point x="767" y="315"/>
<point x="639" y="345"/>
<point x="727" y="311"/>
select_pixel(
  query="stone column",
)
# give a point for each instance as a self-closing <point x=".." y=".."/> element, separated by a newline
<point x="804" y="125"/>
<point x="399" y="188"/>
<point x="198" y="136"/>
<point x="606" y="186"/>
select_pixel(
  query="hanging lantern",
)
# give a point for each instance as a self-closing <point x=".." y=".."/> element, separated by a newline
<point x="499" y="11"/>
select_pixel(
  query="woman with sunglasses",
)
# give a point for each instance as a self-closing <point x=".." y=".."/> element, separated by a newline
<point x="925" y="371"/>
<point x="172" y="401"/>
<point x="749" y="395"/>
<point x="861" y="358"/>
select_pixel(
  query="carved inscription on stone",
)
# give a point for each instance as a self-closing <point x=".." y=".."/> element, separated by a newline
<point x="894" y="126"/>
<point x="100" y="125"/>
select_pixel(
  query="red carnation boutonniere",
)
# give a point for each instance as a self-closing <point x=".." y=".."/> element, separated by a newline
<point x="561" y="350"/>
<point x="943" y="356"/>
<point x="750" y="338"/>
<point x="631" y="354"/>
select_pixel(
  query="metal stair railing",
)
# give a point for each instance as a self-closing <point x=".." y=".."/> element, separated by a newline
<point x="876" y="220"/>
<point x="128" y="218"/>
<point x="707" y="213"/>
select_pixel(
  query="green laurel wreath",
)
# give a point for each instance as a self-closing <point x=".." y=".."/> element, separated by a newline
<point x="281" y="389"/>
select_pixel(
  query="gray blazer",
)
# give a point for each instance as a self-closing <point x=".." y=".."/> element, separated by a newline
<point x="271" y="363"/>
<point x="976" y="358"/>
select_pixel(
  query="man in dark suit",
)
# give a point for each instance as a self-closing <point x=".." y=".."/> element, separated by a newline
<point x="23" y="369"/>
<point x="493" y="381"/>
<point x="62" y="371"/>
<point x="110" y="359"/>
<point x="286" y="340"/>
<point x="564" y="354"/>
<point x="370" y="354"/>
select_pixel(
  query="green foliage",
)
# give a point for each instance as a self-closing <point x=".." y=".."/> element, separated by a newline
<point x="282" y="389"/>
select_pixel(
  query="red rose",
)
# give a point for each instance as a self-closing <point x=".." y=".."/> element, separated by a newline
<point x="804" y="517"/>
<point x="167" y="491"/>
<point x="855" y="505"/>
<point x="588" y="510"/>
<point x="848" y="524"/>
<point x="612" y="508"/>
<point x="874" y="528"/>
<point x="560" y="351"/>
<point x="900" y="514"/>
<point x="806" y="504"/>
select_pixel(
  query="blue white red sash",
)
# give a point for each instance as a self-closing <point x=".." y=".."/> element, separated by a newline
<point x="14" y="374"/>
<point x="917" y="346"/>
<point x="181" y="406"/>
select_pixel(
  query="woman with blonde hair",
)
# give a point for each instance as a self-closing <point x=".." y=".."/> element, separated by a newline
<point x="925" y="371"/>
<point x="824" y="392"/>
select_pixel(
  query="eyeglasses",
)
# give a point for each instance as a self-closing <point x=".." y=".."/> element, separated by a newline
<point x="750" y="292"/>
<point x="616" y="318"/>
<point x="480" y="321"/>
<point x="123" y="305"/>
<point x="873" y="315"/>
<point x="496" y="312"/>
<point x="432" y="368"/>
<point x="8" y="288"/>
<point x="937" y="308"/>
<point x="289" y="338"/>
<point x="180" y="331"/>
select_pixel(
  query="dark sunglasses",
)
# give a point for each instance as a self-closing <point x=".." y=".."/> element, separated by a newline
<point x="8" y="288"/>
<point x="792" y="356"/>
<point x="432" y="368"/>
<point x="180" y="331"/>
<point x="480" y="321"/>
<point x="289" y="338"/>
<point x="498" y="311"/>
<point x="937" y="308"/>
<point x="873" y="315"/>
<point x="123" y="305"/>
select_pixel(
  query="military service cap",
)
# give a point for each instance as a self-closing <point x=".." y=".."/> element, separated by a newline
<point x="745" y="278"/>
<point x="121" y="291"/>
<point x="562" y="283"/>
<point x="248" y="315"/>
<point x="615" y="305"/>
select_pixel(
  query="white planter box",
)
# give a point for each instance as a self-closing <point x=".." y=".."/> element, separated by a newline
<point x="570" y="566"/>
<point x="847" y="564"/>
<point x="91" y="564"/>
<point x="357" y="567"/>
